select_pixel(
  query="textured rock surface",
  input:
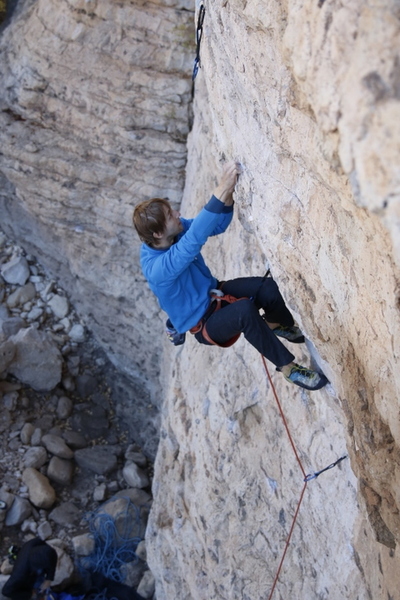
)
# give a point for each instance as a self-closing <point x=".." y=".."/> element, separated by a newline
<point x="307" y="97"/>
<point x="37" y="361"/>
<point x="303" y="96"/>
<point x="93" y="119"/>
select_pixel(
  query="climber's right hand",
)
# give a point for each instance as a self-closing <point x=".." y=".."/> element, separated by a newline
<point x="229" y="176"/>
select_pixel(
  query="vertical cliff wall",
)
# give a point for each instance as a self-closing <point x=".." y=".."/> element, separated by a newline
<point x="94" y="112"/>
<point x="306" y="97"/>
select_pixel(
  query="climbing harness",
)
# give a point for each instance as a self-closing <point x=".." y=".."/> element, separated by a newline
<point x="199" y="35"/>
<point x="218" y="297"/>
<point x="306" y="478"/>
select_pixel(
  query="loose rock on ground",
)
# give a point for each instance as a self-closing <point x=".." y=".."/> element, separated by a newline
<point x="63" y="452"/>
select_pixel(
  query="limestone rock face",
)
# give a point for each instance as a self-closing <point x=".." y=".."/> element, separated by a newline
<point x="94" y="115"/>
<point x="303" y="95"/>
<point x="306" y="96"/>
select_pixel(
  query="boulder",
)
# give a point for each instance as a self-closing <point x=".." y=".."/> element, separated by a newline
<point x="147" y="585"/>
<point x="16" y="271"/>
<point x="60" y="471"/>
<point x="10" y="400"/>
<point x="21" y="295"/>
<point x="8" y="500"/>
<point x="12" y="325"/>
<point x="77" y="333"/>
<point x="141" y="550"/>
<point x="44" y="530"/>
<point x="35" y="457"/>
<point x="65" y="566"/>
<point x="98" y="459"/>
<point x="26" y="433"/>
<point x="36" y="436"/>
<point x="66" y="515"/>
<point x="57" y="446"/>
<point x="37" y="361"/>
<point x="83" y="545"/>
<point x="134" y="476"/>
<point x="20" y="510"/>
<point x="64" y="407"/>
<point x="137" y="496"/>
<point x="41" y="493"/>
<point x="59" y="306"/>
<point x="7" y="354"/>
<point x="100" y="493"/>
<point x="74" y="439"/>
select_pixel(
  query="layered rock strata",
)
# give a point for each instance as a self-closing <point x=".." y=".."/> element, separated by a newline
<point x="94" y="113"/>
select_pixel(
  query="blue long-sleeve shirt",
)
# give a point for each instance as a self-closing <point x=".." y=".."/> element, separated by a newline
<point x="178" y="275"/>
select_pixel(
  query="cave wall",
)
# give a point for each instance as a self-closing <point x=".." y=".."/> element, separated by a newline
<point x="306" y="98"/>
<point x="95" y="109"/>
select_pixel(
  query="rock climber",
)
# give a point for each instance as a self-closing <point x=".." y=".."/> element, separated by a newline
<point x="178" y="275"/>
<point x="33" y="571"/>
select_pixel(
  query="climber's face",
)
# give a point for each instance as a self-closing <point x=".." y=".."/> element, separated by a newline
<point x="173" y="226"/>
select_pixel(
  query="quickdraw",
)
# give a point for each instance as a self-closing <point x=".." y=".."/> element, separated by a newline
<point x="315" y="475"/>
<point x="199" y="35"/>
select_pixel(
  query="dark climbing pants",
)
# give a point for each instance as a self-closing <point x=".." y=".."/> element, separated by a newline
<point x="243" y="317"/>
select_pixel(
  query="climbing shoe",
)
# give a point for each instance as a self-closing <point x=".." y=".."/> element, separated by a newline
<point x="292" y="334"/>
<point x="305" y="378"/>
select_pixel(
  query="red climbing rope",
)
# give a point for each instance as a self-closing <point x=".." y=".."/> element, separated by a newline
<point x="302" y="470"/>
<point x="283" y="416"/>
<point x="306" y="478"/>
<point x="287" y="541"/>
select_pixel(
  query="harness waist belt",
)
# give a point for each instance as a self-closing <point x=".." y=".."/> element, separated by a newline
<point x="215" y="305"/>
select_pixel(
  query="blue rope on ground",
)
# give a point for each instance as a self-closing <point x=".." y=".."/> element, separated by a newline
<point x="115" y="541"/>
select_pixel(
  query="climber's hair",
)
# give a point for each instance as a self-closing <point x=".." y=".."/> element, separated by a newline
<point x="150" y="217"/>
